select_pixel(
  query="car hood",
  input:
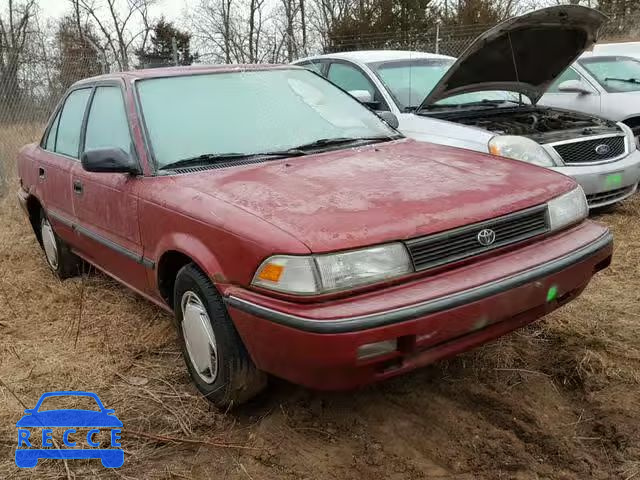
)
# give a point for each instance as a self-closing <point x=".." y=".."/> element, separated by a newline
<point x="523" y="54"/>
<point x="378" y="193"/>
<point x="69" y="418"/>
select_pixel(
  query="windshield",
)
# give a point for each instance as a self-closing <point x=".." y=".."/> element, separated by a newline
<point x="410" y="81"/>
<point x="615" y="74"/>
<point x="248" y="112"/>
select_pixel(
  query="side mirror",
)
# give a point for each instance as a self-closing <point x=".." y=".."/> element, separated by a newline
<point x="390" y="118"/>
<point x="363" y="96"/>
<point x="574" y="86"/>
<point x="108" y="160"/>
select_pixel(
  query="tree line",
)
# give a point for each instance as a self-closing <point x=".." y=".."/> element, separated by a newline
<point x="40" y="58"/>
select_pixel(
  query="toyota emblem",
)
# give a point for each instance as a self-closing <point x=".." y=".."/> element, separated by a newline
<point x="603" y="149"/>
<point x="486" y="237"/>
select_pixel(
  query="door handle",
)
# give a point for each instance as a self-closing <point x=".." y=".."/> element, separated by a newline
<point x="41" y="173"/>
<point x="77" y="187"/>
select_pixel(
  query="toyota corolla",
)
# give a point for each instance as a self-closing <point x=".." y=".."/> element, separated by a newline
<point x="295" y="233"/>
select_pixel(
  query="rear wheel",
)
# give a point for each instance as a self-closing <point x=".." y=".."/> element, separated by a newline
<point x="216" y="358"/>
<point x="61" y="260"/>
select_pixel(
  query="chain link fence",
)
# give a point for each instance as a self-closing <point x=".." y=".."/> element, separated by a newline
<point x="30" y="91"/>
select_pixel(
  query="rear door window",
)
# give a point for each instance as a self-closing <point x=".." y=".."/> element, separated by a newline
<point x="50" y="144"/>
<point x="70" y="123"/>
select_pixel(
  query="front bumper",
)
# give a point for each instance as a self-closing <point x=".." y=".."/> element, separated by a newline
<point x="317" y="345"/>
<point x="607" y="183"/>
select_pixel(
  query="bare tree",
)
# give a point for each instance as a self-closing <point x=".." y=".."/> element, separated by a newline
<point x="290" y="11"/>
<point x="255" y="28"/>
<point x="14" y="31"/>
<point x="116" y="22"/>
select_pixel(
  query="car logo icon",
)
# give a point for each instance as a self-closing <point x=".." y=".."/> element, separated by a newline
<point x="486" y="237"/>
<point x="100" y="423"/>
<point x="603" y="149"/>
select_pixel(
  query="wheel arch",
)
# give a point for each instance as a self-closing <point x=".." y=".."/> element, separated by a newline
<point x="633" y="122"/>
<point x="174" y="258"/>
<point x="34" y="207"/>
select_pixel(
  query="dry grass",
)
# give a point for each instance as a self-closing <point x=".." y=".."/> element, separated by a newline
<point x="12" y="137"/>
<point x="558" y="400"/>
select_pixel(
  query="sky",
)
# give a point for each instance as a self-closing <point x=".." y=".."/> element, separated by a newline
<point x="171" y="9"/>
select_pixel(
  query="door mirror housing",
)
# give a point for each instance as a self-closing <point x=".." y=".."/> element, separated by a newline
<point x="389" y="118"/>
<point x="363" y="96"/>
<point x="109" y="160"/>
<point x="574" y="86"/>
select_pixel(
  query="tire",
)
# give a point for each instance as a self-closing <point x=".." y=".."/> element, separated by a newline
<point x="216" y="358"/>
<point x="62" y="262"/>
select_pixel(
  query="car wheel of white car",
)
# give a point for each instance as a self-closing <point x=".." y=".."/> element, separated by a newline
<point x="216" y="358"/>
<point x="59" y="257"/>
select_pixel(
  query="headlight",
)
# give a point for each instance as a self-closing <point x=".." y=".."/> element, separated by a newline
<point x="520" y="148"/>
<point x="315" y="274"/>
<point x="631" y="138"/>
<point x="568" y="209"/>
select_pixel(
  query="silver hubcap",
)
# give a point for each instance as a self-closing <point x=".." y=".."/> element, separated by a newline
<point x="199" y="338"/>
<point x="49" y="243"/>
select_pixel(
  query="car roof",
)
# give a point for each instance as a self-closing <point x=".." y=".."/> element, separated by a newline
<point x="370" y="56"/>
<point x="604" y="55"/>
<point x="180" y="71"/>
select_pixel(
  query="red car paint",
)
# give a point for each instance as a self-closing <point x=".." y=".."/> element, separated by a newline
<point x="229" y="220"/>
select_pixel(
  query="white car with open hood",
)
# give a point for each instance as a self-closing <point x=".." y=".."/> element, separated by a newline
<point x="486" y="100"/>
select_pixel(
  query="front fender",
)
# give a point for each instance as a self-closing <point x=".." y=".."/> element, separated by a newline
<point x="193" y="248"/>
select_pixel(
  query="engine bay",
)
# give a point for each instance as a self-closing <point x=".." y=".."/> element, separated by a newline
<point x="543" y="125"/>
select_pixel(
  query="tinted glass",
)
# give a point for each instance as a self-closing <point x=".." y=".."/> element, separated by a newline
<point x="349" y="78"/>
<point x="313" y="66"/>
<point x="68" y="142"/>
<point x="615" y="74"/>
<point x="248" y="112"/>
<point x="410" y="81"/>
<point x="107" y="123"/>
<point x="51" y="138"/>
<point x="568" y="74"/>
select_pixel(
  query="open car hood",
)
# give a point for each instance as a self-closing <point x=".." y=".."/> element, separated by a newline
<point x="523" y="54"/>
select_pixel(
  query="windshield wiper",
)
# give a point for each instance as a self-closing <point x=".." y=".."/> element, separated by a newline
<point x="327" y="142"/>
<point x="298" y="151"/>
<point x="625" y="80"/>
<point x="212" y="158"/>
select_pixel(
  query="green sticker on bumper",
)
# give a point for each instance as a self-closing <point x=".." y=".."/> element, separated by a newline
<point x="613" y="181"/>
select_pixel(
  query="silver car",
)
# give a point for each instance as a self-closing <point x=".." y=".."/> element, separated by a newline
<point x="605" y="85"/>
<point x="486" y="100"/>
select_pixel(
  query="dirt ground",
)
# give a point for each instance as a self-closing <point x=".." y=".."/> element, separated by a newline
<point x="558" y="400"/>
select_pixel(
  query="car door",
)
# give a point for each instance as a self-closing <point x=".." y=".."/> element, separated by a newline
<point x="57" y="155"/>
<point x="581" y="102"/>
<point x="351" y="78"/>
<point x="106" y="204"/>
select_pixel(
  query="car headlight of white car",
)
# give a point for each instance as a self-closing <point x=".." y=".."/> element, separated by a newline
<point x="567" y="209"/>
<point x="317" y="274"/>
<point x="520" y="148"/>
<point x="631" y="138"/>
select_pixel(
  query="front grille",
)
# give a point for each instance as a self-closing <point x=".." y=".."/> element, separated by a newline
<point x="460" y="243"/>
<point x="591" y="151"/>
<point x="612" y="195"/>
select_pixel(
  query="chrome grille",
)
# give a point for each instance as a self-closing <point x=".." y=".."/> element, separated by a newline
<point x="591" y="151"/>
<point x="461" y="243"/>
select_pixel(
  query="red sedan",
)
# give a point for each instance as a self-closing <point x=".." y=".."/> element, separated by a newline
<point x="293" y="231"/>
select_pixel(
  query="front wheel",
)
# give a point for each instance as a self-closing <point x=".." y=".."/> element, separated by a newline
<point x="216" y="358"/>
